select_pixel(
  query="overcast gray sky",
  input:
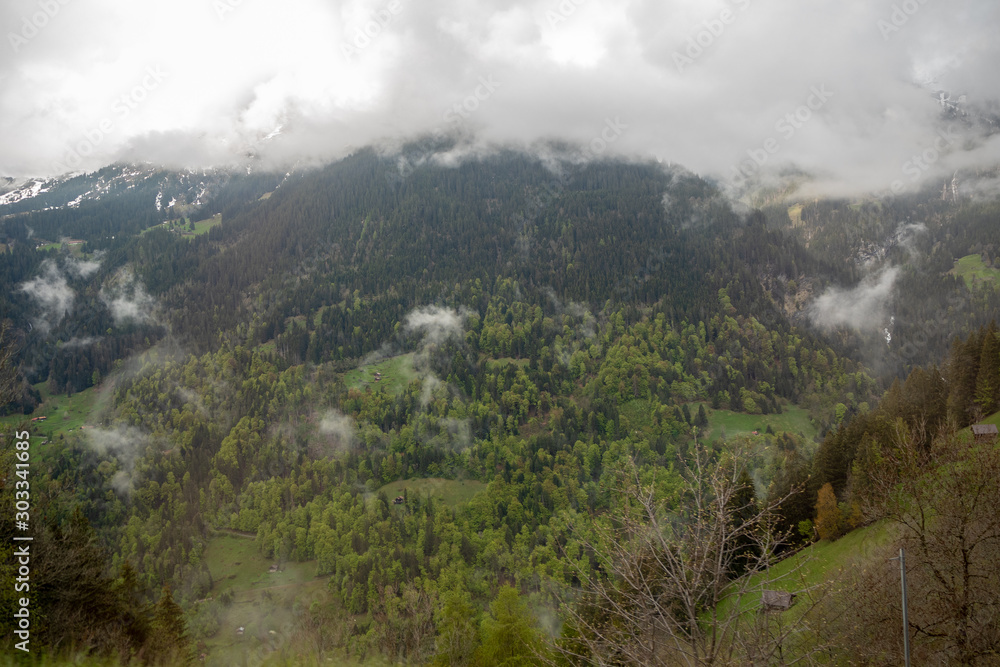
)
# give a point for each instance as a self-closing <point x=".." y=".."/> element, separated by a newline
<point x="703" y="83"/>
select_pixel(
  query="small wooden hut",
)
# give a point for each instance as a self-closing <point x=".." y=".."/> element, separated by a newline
<point x="777" y="601"/>
<point x="984" y="432"/>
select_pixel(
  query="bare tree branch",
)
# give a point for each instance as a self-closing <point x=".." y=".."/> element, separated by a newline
<point x="679" y="580"/>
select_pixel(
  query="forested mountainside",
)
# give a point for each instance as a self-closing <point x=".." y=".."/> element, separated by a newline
<point x="421" y="391"/>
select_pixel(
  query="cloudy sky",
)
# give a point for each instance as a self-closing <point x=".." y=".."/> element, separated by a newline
<point x="841" y="89"/>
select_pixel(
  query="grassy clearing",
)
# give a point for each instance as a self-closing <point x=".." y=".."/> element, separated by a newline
<point x="183" y="226"/>
<point x="178" y="226"/>
<point x="397" y="372"/>
<point x="64" y="414"/>
<point x="793" y="419"/>
<point x="452" y="492"/>
<point x="263" y="603"/>
<point x="202" y="226"/>
<point x="73" y="246"/>
<point x="236" y="563"/>
<point x="795" y="215"/>
<point x="808" y="573"/>
<point x="975" y="273"/>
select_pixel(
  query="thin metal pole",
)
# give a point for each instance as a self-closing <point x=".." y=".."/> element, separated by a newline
<point x="906" y="625"/>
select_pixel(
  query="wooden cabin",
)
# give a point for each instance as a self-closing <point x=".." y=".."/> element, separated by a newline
<point x="984" y="432"/>
<point x="777" y="601"/>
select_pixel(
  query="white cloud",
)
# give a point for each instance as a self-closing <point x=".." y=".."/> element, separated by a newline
<point x="52" y="294"/>
<point x="435" y="323"/>
<point x="124" y="443"/>
<point x="76" y="341"/>
<point x="340" y="430"/>
<point x="82" y="268"/>
<point x="127" y="299"/>
<point x="263" y="65"/>
<point x="861" y="307"/>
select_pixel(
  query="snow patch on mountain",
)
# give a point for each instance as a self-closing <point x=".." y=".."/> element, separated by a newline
<point x="34" y="188"/>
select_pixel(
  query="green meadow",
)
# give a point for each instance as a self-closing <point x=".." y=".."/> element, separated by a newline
<point x="452" y="492"/>
<point x="397" y="372"/>
<point x="975" y="273"/>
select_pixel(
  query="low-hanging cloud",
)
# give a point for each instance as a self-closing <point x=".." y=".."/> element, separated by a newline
<point x="124" y="443"/>
<point x="51" y="293"/>
<point x="860" y="308"/>
<point x="77" y="341"/>
<point x="443" y="432"/>
<point x="83" y="268"/>
<point x="907" y="235"/>
<point x="682" y="85"/>
<point x="588" y="324"/>
<point x="128" y="300"/>
<point x="435" y="324"/>
<point x="340" y="430"/>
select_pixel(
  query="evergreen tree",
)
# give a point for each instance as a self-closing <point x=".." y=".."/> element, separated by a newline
<point x="988" y="377"/>
<point x="743" y="507"/>
<point x="168" y="643"/>
<point x="701" y="419"/>
<point x="963" y="372"/>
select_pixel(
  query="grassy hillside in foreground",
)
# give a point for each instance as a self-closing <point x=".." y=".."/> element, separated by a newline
<point x="820" y="563"/>
<point x="826" y="560"/>
<point x="992" y="419"/>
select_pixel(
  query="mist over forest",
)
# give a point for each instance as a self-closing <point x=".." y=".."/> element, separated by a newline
<point x="571" y="333"/>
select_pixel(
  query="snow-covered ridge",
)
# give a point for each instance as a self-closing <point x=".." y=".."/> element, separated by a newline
<point x="32" y="188"/>
<point x="72" y="190"/>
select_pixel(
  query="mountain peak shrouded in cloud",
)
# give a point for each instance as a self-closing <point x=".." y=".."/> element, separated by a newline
<point x="726" y="87"/>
